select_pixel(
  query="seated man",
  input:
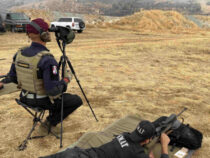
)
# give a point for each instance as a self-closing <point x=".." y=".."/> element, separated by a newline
<point x="126" y="145"/>
<point x="36" y="73"/>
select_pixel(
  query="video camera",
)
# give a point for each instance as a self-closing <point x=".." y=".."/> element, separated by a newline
<point x="64" y="34"/>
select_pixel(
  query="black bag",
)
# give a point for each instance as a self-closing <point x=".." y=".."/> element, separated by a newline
<point x="186" y="136"/>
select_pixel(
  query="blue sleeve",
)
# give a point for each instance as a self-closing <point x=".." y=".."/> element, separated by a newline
<point x="50" y="73"/>
<point x="12" y="73"/>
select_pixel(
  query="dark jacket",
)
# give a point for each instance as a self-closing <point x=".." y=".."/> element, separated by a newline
<point x="52" y="84"/>
<point x="119" y="147"/>
<point x="122" y="147"/>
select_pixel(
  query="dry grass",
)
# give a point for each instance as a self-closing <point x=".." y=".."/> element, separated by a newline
<point x="156" y="21"/>
<point x="122" y="72"/>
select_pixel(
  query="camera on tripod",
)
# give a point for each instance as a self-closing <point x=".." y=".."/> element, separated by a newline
<point x="64" y="34"/>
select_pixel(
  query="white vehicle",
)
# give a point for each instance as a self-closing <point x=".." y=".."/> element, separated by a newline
<point x="74" y="23"/>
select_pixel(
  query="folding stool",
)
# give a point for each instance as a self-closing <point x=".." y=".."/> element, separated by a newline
<point x="37" y="117"/>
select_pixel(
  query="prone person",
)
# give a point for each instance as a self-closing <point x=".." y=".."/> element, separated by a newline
<point x="125" y="145"/>
<point x="36" y="73"/>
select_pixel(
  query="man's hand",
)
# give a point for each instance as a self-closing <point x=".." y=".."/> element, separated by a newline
<point x="165" y="140"/>
<point x="151" y="155"/>
<point x="67" y="75"/>
<point x="1" y="85"/>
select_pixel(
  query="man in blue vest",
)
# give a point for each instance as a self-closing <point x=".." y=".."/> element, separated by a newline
<point x="36" y="73"/>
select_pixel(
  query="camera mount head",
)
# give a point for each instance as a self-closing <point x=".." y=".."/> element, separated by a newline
<point x="64" y="34"/>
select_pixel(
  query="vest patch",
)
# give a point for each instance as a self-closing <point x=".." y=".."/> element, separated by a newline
<point x="122" y="141"/>
<point x="54" y="70"/>
<point x="24" y="65"/>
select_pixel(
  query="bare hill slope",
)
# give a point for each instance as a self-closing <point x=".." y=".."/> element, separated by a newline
<point x="156" y="21"/>
<point x="114" y="7"/>
<point x="73" y="6"/>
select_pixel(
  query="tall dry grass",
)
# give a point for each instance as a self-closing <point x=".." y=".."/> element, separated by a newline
<point x="122" y="72"/>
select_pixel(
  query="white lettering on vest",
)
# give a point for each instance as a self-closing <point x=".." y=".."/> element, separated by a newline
<point x="140" y="130"/>
<point x="122" y="141"/>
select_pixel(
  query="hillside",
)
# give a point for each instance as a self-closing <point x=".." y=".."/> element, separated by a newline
<point x="7" y="4"/>
<point x="143" y="21"/>
<point x="132" y="6"/>
<point x="90" y="19"/>
<point x="37" y="13"/>
<point x="73" y="6"/>
<point x="117" y="7"/>
<point x="156" y="21"/>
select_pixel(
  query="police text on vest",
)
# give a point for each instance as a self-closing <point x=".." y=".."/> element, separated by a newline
<point x="122" y="141"/>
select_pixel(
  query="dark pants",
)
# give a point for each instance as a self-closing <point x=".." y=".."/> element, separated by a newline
<point x="73" y="153"/>
<point x="70" y="103"/>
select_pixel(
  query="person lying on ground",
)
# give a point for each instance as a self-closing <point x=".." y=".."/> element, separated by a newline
<point x="125" y="145"/>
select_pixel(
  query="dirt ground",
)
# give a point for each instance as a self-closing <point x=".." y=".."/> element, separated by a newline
<point x="121" y="72"/>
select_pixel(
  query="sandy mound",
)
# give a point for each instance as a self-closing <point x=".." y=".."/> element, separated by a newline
<point x="156" y="21"/>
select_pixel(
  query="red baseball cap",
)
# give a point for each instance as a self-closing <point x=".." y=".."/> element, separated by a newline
<point x="44" y="26"/>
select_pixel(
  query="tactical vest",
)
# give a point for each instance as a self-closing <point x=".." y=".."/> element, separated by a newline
<point x="27" y="72"/>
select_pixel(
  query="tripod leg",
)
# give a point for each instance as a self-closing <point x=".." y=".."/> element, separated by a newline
<point x="62" y="62"/>
<point x="61" y="137"/>
<point x="73" y="72"/>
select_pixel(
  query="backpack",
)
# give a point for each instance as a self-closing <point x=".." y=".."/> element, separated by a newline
<point x="186" y="136"/>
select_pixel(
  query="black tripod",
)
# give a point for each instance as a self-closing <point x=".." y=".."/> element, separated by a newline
<point x="63" y="62"/>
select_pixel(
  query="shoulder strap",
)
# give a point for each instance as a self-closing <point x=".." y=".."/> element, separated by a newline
<point x="44" y="53"/>
<point x="22" y="48"/>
